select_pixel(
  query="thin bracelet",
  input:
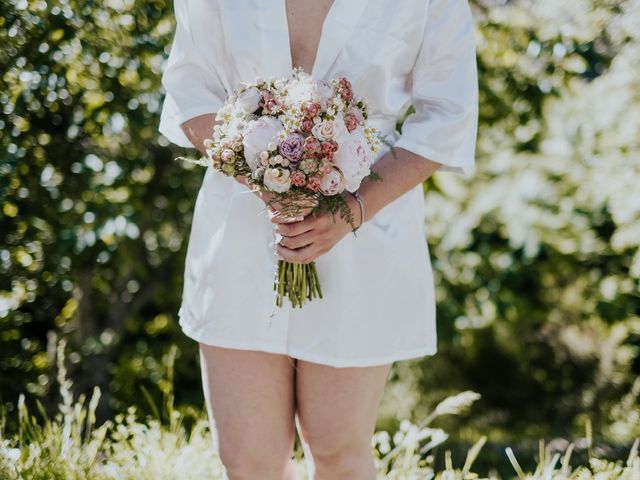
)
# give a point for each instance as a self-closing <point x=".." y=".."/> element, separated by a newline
<point x="356" y="194"/>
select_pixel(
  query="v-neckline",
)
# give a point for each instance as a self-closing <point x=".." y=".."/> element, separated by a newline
<point x="323" y="33"/>
<point x="257" y="36"/>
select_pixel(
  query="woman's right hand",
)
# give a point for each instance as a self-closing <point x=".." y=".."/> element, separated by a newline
<point x="275" y="207"/>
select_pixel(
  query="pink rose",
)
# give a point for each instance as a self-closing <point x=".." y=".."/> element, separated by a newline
<point x="298" y="178"/>
<point x="351" y="122"/>
<point x="314" y="183"/>
<point x="354" y="157"/>
<point x="257" y="136"/>
<point x="329" y="148"/>
<point x="268" y="103"/>
<point x="325" y="167"/>
<point x="345" y="83"/>
<point x="333" y="182"/>
<point x="311" y="108"/>
<point x="312" y="145"/>
<point x="344" y="89"/>
<point x="307" y="125"/>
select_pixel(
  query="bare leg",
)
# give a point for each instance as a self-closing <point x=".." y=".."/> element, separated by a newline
<point x="250" y="397"/>
<point x="337" y="411"/>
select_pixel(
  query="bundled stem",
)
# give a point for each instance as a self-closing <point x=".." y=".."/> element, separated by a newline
<point x="298" y="282"/>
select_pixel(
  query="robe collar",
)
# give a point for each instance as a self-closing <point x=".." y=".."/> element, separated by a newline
<point x="257" y="36"/>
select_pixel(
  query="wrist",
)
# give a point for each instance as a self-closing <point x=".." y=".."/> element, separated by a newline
<point x="241" y="179"/>
<point x="357" y="210"/>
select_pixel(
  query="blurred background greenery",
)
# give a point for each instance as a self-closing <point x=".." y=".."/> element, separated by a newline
<point x="537" y="255"/>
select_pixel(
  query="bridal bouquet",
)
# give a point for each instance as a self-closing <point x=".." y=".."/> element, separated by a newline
<point x="304" y="140"/>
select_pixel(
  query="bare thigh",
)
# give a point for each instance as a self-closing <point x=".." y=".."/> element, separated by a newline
<point x="250" y="397"/>
<point x="337" y="410"/>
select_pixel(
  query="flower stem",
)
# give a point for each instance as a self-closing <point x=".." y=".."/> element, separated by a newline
<point x="298" y="282"/>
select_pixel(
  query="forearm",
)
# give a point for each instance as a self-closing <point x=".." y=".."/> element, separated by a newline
<point x="400" y="173"/>
<point x="200" y="128"/>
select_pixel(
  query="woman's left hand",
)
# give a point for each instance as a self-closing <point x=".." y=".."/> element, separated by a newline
<point x="305" y="240"/>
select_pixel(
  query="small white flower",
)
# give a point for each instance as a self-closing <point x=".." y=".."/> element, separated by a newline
<point x="271" y="147"/>
<point x="264" y="155"/>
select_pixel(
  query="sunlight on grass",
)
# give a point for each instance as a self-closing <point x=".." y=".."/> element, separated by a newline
<point x="72" y="446"/>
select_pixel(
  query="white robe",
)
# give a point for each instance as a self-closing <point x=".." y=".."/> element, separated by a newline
<point x="378" y="304"/>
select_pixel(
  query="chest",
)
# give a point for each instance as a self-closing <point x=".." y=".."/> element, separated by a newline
<point x="305" y="20"/>
<point x="370" y="40"/>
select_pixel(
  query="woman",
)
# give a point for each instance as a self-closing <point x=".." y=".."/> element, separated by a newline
<point x="324" y="365"/>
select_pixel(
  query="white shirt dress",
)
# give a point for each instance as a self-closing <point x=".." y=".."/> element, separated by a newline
<point x="378" y="304"/>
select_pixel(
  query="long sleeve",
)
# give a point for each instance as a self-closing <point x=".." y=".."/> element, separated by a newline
<point x="192" y="84"/>
<point x="444" y="89"/>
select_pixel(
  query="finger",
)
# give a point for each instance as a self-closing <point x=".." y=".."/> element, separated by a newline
<point x="291" y="229"/>
<point x="298" y="255"/>
<point x="299" y="241"/>
<point x="286" y="212"/>
<point x="278" y="217"/>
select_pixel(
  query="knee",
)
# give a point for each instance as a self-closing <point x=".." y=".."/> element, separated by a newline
<point x="250" y="461"/>
<point x="342" y="460"/>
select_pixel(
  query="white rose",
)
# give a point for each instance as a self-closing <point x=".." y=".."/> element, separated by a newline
<point x="330" y="130"/>
<point x="258" y="134"/>
<point x="249" y="100"/>
<point x="333" y="182"/>
<point x="354" y="157"/>
<point x="277" y="179"/>
<point x="323" y="131"/>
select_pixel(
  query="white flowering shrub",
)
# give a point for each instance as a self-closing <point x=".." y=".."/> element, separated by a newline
<point x="537" y="254"/>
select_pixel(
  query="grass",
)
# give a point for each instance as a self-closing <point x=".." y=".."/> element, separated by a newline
<point x="71" y="446"/>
